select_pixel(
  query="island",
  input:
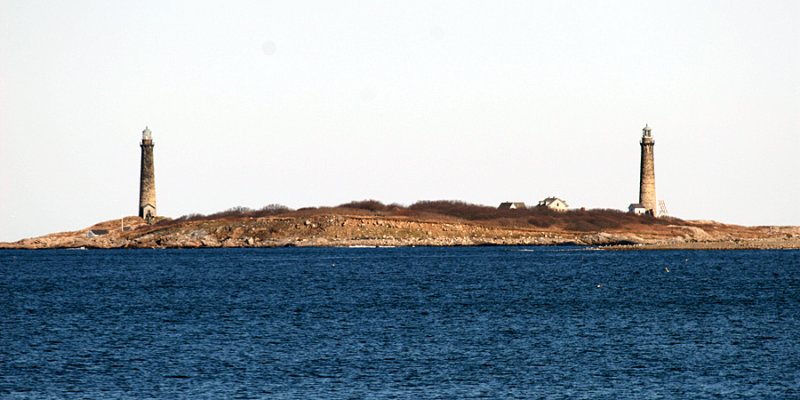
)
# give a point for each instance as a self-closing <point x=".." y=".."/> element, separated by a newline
<point x="427" y="223"/>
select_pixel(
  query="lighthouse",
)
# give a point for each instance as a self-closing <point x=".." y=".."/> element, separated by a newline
<point x="147" y="178"/>
<point x="647" y="176"/>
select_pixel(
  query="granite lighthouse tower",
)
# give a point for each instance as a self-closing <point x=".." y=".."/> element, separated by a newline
<point x="647" y="177"/>
<point x="147" y="178"/>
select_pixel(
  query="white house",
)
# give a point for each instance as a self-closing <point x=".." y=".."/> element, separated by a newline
<point x="554" y="203"/>
<point x="512" y="205"/>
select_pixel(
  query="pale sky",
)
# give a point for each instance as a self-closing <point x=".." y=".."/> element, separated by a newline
<point x="320" y="103"/>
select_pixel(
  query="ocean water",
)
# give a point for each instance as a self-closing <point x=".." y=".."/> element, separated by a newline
<point x="405" y="323"/>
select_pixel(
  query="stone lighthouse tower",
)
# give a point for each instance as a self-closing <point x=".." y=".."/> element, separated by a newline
<point x="147" y="178"/>
<point x="647" y="177"/>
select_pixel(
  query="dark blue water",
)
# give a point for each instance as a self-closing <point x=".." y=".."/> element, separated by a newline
<point x="448" y="323"/>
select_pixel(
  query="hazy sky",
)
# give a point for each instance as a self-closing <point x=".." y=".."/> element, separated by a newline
<point x="320" y="103"/>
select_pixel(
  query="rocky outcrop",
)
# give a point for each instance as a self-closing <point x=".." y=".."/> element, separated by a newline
<point x="362" y="230"/>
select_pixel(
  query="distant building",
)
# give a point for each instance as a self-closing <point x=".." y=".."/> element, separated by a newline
<point x="647" y="173"/>
<point x="647" y="178"/>
<point x="147" y="179"/>
<point x="638" y="209"/>
<point x="554" y="203"/>
<point x="512" y="206"/>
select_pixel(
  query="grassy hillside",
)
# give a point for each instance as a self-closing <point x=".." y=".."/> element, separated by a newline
<point x="540" y="218"/>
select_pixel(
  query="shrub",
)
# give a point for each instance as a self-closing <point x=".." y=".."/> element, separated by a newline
<point x="541" y="221"/>
<point x="459" y="209"/>
<point x="369" y="205"/>
<point x="275" y="208"/>
<point x="238" y="211"/>
<point x="271" y="209"/>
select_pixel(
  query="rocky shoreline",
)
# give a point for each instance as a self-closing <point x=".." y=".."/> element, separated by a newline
<point x="752" y="244"/>
<point x="335" y="230"/>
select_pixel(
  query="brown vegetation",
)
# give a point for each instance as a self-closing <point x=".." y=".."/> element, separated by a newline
<point x="229" y="214"/>
<point x="539" y="217"/>
<point x="530" y="218"/>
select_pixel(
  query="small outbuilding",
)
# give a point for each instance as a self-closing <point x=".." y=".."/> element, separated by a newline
<point x="554" y="203"/>
<point x="638" y="209"/>
<point x="512" y="205"/>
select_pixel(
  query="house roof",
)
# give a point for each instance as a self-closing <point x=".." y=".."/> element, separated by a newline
<point x="551" y="200"/>
<point x="518" y="204"/>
